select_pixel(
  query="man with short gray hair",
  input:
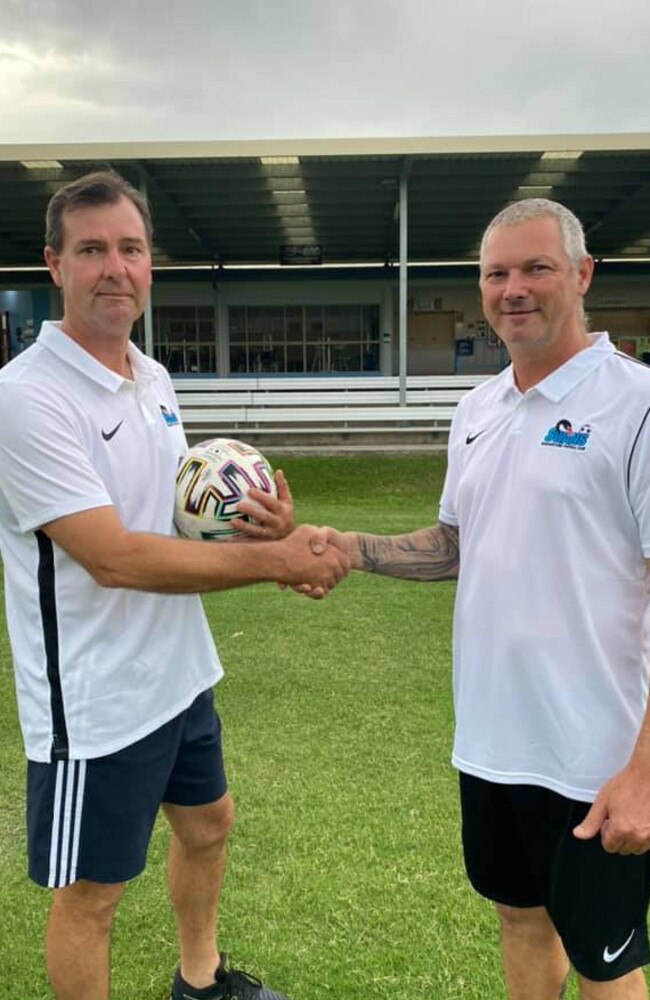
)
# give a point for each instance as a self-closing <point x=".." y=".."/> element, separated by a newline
<point x="545" y="519"/>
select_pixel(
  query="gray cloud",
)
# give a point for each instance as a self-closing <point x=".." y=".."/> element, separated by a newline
<point x="78" y="70"/>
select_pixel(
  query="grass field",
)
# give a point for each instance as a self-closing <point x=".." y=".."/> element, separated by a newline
<point x="345" y="877"/>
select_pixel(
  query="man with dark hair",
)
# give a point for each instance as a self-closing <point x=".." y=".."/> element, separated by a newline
<point x="104" y="187"/>
<point x="545" y="519"/>
<point x="113" y="657"/>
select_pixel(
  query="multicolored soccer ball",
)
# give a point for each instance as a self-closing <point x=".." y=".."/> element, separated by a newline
<point x="213" y="476"/>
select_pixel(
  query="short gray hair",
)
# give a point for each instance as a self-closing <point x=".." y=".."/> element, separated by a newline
<point x="573" y="236"/>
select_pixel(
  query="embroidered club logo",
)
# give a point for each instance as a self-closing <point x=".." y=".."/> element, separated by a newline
<point x="562" y="435"/>
<point x="169" y="416"/>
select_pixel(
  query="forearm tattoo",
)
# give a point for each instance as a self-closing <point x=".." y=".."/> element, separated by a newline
<point x="429" y="554"/>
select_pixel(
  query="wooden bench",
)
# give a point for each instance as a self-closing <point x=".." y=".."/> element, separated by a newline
<point x="320" y="405"/>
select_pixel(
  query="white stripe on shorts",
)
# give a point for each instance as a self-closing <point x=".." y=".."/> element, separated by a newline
<point x="66" y="822"/>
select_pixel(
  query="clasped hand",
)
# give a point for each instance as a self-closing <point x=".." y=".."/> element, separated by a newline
<point x="317" y="563"/>
<point x="272" y="516"/>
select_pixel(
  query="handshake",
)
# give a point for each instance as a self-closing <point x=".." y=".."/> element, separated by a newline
<point x="321" y="558"/>
<point x="308" y="559"/>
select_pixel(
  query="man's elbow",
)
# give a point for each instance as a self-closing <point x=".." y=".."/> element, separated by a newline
<point x="109" y="577"/>
<point x="117" y="568"/>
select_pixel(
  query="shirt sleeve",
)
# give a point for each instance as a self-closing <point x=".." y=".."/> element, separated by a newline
<point x="448" y="513"/>
<point x="46" y="471"/>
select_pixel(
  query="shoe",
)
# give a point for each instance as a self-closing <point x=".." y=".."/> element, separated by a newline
<point x="229" y="984"/>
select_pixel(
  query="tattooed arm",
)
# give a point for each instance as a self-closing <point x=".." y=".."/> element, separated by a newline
<point x="428" y="554"/>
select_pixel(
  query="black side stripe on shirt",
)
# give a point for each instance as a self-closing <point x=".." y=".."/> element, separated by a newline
<point x="634" y="444"/>
<point x="47" y="601"/>
<point x="628" y="357"/>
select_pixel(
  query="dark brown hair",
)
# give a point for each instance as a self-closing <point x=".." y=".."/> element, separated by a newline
<point x="102" y="187"/>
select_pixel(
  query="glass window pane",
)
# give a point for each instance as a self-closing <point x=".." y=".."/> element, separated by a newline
<point x="238" y="360"/>
<point x="270" y="338"/>
<point x="294" y="323"/>
<point x="237" y="322"/>
<point x="314" y="322"/>
<point x="342" y="322"/>
<point x="370" y="359"/>
<point x="266" y="321"/>
<point x="370" y="323"/>
<point x="263" y="358"/>
<point x="295" y="358"/>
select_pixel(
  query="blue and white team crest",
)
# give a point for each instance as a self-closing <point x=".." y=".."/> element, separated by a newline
<point x="170" y="418"/>
<point x="562" y="435"/>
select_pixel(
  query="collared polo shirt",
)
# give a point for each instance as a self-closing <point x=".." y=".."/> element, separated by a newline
<point x="96" y="668"/>
<point x="550" y="491"/>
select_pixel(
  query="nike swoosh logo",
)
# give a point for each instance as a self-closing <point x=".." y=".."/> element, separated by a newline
<point x="611" y="956"/>
<point x="473" y="437"/>
<point x="107" y="435"/>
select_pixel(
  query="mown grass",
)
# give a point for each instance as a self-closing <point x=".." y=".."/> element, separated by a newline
<point x="345" y="877"/>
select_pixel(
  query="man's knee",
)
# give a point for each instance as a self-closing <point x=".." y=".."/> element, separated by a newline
<point x="90" y="903"/>
<point x="202" y="827"/>
<point x="523" y="920"/>
<point x="632" y="986"/>
<point x="220" y="817"/>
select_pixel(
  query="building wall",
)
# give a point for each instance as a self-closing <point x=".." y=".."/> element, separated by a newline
<point x="621" y="302"/>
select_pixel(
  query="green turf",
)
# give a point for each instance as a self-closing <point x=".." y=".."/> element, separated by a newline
<point x="345" y="877"/>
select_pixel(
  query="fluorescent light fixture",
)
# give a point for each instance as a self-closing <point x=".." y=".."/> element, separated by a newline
<point x="331" y="266"/>
<point x="22" y="269"/>
<point x="301" y="237"/>
<point x="275" y="161"/>
<point x="41" y="164"/>
<point x="562" y="154"/>
<point x="444" y="263"/>
<point x="535" y="187"/>
<point x="295" y="215"/>
<point x="288" y="192"/>
<point x="623" y="260"/>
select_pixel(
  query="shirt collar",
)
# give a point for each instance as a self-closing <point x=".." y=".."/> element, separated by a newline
<point x="54" y="339"/>
<point x="564" y="379"/>
<point x="144" y="368"/>
<point x="560" y="383"/>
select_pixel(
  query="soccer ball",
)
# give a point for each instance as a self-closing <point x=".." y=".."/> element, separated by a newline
<point x="213" y="476"/>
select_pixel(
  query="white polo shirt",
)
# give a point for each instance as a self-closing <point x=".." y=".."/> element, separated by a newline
<point x="96" y="668"/>
<point x="550" y="490"/>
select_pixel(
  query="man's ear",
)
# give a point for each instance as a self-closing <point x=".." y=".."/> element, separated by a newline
<point x="585" y="273"/>
<point x="52" y="260"/>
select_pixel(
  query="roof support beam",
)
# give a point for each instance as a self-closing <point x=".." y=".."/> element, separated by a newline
<point x="150" y="180"/>
<point x="148" y="312"/>
<point x="403" y="279"/>
<point x="625" y="206"/>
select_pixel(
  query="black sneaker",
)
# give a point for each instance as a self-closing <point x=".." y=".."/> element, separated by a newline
<point x="229" y="984"/>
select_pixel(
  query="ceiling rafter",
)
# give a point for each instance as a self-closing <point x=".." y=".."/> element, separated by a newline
<point x="243" y="205"/>
<point x="161" y="194"/>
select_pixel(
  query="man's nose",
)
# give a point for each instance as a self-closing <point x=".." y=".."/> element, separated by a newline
<point x="515" y="286"/>
<point x="114" y="265"/>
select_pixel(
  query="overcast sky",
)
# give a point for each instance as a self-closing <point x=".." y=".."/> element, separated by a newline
<point x="80" y="70"/>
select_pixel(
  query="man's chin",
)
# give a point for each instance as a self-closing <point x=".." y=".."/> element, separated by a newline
<point x="120" y="309"/>
<point x="519" y="327"/>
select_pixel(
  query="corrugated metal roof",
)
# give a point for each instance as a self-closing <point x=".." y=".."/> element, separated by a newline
<point x="239" y="202"/>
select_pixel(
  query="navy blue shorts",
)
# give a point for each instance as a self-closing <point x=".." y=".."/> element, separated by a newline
<point x="92" y="819"/>
<point x="520" y="851"/>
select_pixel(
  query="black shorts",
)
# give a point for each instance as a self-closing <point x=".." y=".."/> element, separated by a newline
<point x="92" y="819"/>
<point x="520" y="851"/>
